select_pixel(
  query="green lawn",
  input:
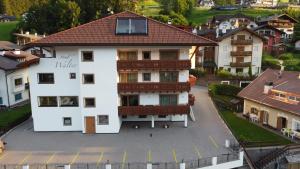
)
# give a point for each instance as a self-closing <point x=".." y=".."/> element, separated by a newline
<point x="10" y="117"/>
<point x="149" y="7"/>
<point x="6" y="30"/>
<point x="201" y="15"/>
<point x="245" y="130"/>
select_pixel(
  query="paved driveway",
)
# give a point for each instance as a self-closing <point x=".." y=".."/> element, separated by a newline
<point x="203" y="138"/>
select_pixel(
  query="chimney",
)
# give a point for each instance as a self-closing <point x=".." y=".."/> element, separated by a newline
<point x="35" y="34"/>
<point x="17" y="52"/>
<point x="22" y="31"/>
<point x="268" y="86"/>
<point x="27" y="33"/>
<point x="169" y="22"/>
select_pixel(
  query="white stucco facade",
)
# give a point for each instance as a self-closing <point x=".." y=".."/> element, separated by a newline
<point x="11" y="93"/>
<point x="104" y="89"/>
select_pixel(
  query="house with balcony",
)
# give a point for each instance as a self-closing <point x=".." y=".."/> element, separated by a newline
<point x="274" y="43"/>
<point x="237" y="51"/>
<point x="123" y="67"/>
<point x="282" y="22"/>
<point x="14" y="84"/>
<point x="273" y="99"/>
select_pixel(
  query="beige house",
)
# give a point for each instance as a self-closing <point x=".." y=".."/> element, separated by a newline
<point x="25" y="38"/>
<point x="273" y="99"/>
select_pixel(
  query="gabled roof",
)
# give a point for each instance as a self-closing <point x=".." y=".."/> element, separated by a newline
<point x="101" y="32"/>
<point x="6" y="45"/>
<point x="235" y="31"/>
<point x="266" y="26"/>
<point x="288" y="82"/>
<point x="281" y="16"/>
<point x="12" y="59"/>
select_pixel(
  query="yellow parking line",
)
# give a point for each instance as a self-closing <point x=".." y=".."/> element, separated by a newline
<point x="50" y="158"/>
<point x="174" y="155"/>
<point x="124" y="159"/>
<point x="75" y="158"/>
<point x="100" y="158"/>
<point x="198" y="152"/>
<point x="214" y="142"/>
<point x="25" y="158"/>
<point x="3" y="155"/>
<point x="149" y="156"/>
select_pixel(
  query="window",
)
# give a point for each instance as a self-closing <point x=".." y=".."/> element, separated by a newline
<point x="241" y="48"/>
<point x="292" y="98"/>
<point x="296" y="126"/>
<point x="232" y="37"/>
<point x="168" y="99"/>
<point x="18" y="82"/>
<point x="169" y="54"/>
<point x="128" y="55"/>
<point x="18" y="97"/>
<point x="239" y="70"/>
<point x="168" y="76"/>
<point x="277" y="94"/>
<point x="87" y="56"/>
<point x="88" y="79"/>
<point x="282" y="95"/>
<point x="133" y="26"/>
<point x="67" y="121"/>
<point x="89" y="102"/>
<point x="128" y="77"/>
<point x="1" y="101"/>
<point x="103" y="120"/>
<point x="147" y="77"/>
<point x="241" y="37"/>
<point x="47" y="101"/>
<point x="254" y="111"/>
<point x="162" y="116"/>
<point x="142" y="116"/>
<point x="46" y="78"/>
<point x="130" y="100"/>
<point x="72" y="75"/>
<point x="68" y="101"/>
<point x="146" y="55"/>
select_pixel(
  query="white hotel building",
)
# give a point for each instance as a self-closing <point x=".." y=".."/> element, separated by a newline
<point x="123" y="67"/>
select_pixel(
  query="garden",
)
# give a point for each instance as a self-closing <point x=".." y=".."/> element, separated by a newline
<point x="245" y="131"/>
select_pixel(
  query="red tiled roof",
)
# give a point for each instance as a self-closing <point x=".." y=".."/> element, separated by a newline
<point x="102" y="33"/>
<point x="288" y="82"/>
<point x="12" y="59"/>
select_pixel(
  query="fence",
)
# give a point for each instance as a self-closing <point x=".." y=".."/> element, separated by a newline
<point x="185" y="164"/>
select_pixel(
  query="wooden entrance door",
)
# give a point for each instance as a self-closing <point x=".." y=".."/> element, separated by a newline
<point x="90" y="127"/>
<point x="279" y="123"/>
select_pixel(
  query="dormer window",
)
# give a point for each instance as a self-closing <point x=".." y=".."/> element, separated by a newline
<point x="131" y="26"/>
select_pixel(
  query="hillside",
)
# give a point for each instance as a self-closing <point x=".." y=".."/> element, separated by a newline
<point x="6" y="30"/>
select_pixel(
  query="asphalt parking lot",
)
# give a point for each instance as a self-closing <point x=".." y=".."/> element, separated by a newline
<point x="203" y="138"/>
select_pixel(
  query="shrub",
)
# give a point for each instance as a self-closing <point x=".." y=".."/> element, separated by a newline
<point x="286" y="56"/>
<point x="274" y="64"/>
<point x="198" y="72"/>
<point x="224" y="74"/>
<point x="223" y="89"/>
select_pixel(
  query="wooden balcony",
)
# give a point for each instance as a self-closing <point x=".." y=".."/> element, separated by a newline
<point x="241" y="53"/>
<point x="241" y="42"/>
<point x="154" y="87"/>
<point x="153" y="110"/>
<point x="153" y="64"/>
<point x="240" y="64"/>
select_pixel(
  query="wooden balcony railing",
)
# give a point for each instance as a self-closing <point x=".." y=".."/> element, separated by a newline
<point x="154" y="110"/>
<point x="240" y="64"/>
<point x="154" y="87"/>
<point x="241" y="42"/>
<point x="241" y="53"/>
<point x="153" y="64"/>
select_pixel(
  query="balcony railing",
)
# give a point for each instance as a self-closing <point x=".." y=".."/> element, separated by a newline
<point x="154" y="87"/>
<point x="154" y="110"/>
<point x="240" y="64"/>
<point x="241" y="42"/>
<point x="153" y="64"/>
<point x="241" y="53"/>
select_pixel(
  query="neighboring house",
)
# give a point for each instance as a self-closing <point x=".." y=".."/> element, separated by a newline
<point x="124" y="67"/>
<point x="14" y="77"/>
<point x="237" y="51"/>
<point x="282" y="22"/>
<point x="7" y="18"/>
<point x="25" y="38"/>
<point x="297" y="45"/>
<point x="266" y="3"/>
<point x="274" y="44"/>
<point x="206" y="3"/>
<point x="274" y="99"/>
<point x="6" y="45"/>
<point x="229" y="22"/>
